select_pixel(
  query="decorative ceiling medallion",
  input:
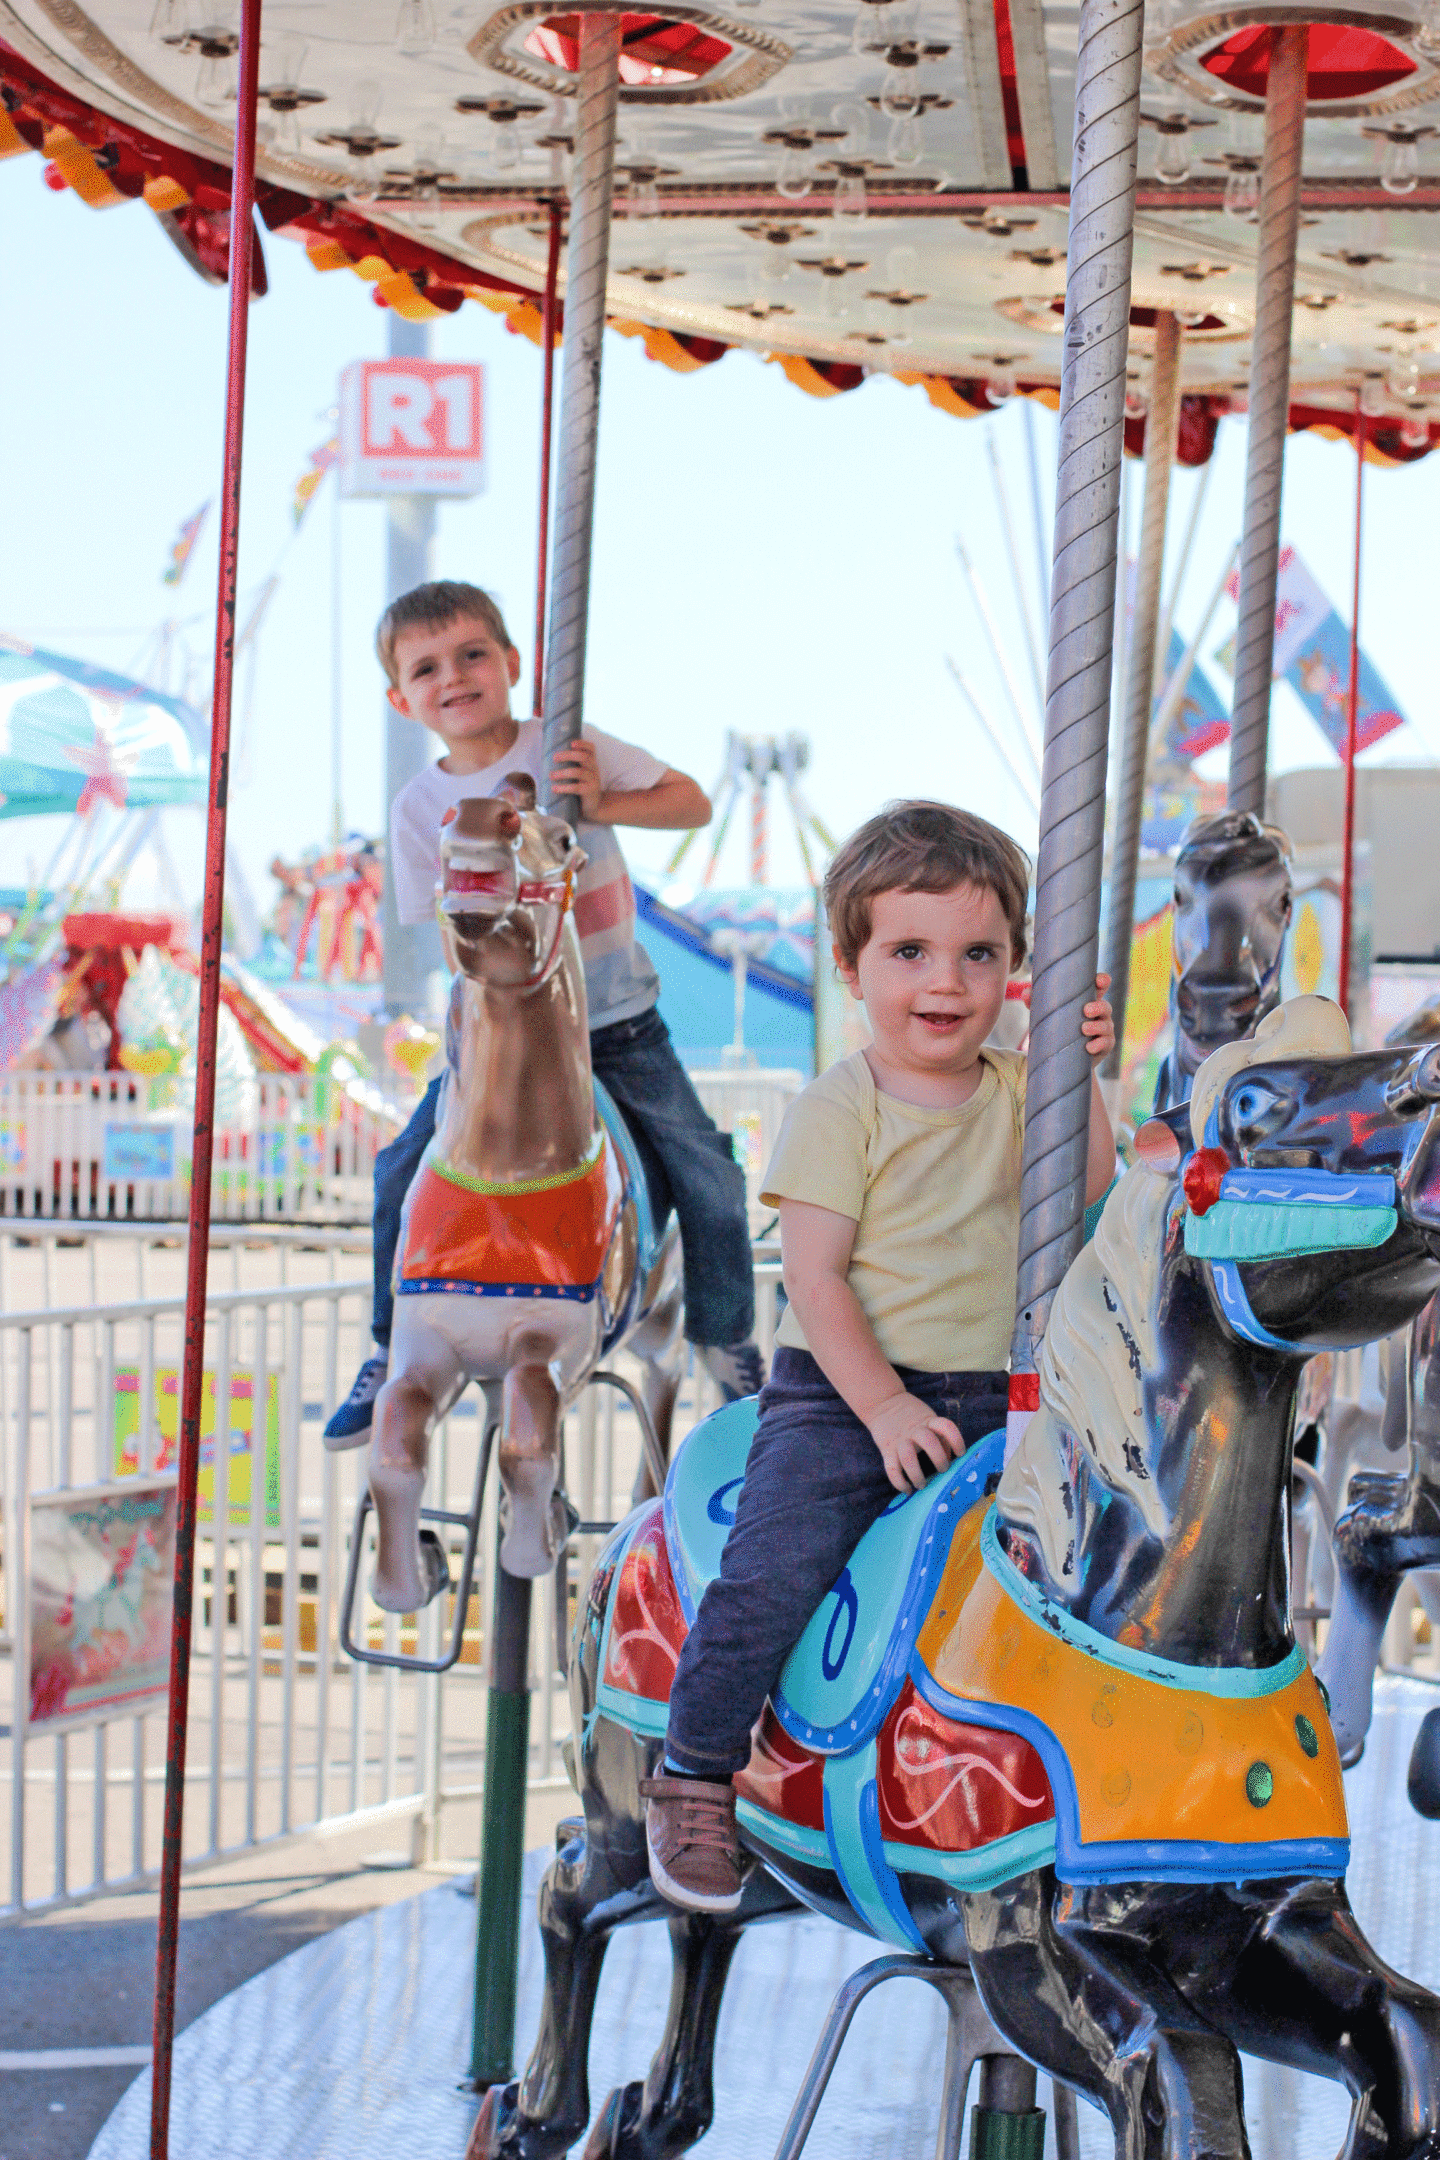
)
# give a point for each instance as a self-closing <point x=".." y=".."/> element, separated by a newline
<point x="1362" y="60"/>
<point x="1203" y="326"/>
<point x="685" y="56"/>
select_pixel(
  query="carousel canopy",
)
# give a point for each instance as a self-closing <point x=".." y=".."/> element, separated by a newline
<point x="845" y="185"/>
<point x="73" y="735"/>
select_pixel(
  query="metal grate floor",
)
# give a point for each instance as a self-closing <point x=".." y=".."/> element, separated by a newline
<point x="353" y="2047"/>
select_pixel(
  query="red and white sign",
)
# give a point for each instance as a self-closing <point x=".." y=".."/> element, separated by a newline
<point x="412" y="427"/>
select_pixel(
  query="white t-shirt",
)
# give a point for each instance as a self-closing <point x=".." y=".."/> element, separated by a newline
<point x="619" y="979"/>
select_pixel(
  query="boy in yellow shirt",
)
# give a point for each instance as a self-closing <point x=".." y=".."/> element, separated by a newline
<point x="897" y="1178"/>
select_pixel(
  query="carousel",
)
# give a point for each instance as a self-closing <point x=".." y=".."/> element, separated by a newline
<point x="1093" y="1773"/>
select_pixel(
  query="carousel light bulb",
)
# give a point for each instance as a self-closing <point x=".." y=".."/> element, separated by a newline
<point x="364" y="105"/>
<point x="289" y="60"/>
<point x="867" y="34"/>
<point x="898" y="93"/>
<point x="848" y="204"/>
<point x="1000" y="385"/>
<point x="902" y="267"/>
<point x="837" y="300"/>
<point x="1136" y="402"/>
<point x="1372" y="396"/>
<point x="904" y="143"/>
<point x="644" y="195"/>
<point x="793" y="179"/>
<point x="1242" y="195"/>
<point x="1415" y="431"/>
<point x="286" y="137"/>
<point x="170" y="23"/>
<point x="505" y="151"/>
<point x="215" y="83"/>
<point x="1172" y="165"/>
<point x="1403" y="381"/>
<point x="414" y="28"/>
<point x="1400" y="171"/>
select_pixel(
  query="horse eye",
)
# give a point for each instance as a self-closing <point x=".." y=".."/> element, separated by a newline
<point x="1251" y="1103"/>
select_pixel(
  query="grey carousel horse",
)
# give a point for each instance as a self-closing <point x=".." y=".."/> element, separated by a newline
<point x="1094" y="1648"/>
<point x="1233" y="903"/>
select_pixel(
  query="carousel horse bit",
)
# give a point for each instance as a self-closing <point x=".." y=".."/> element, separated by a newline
<point x="526" y="1248"/>
<point x="1052" y="1724"/>
<point x="1233" y="903"/>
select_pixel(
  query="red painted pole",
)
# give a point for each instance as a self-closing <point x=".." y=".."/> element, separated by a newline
<point x="1352" y="725"/>
<point x="242" y="233"/>
<point x="547" y="405"/>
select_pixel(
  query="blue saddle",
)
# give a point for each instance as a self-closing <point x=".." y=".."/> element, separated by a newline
<point x="847" y="1668"/>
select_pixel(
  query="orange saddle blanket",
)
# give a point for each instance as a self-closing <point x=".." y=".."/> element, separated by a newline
<point x="541" y="1237"/>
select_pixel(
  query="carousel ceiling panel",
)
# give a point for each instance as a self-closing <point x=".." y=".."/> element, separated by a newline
<point x="872" y="182"/>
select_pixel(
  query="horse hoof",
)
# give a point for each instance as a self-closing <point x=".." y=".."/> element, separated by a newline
<point x="615" y="2126"/>
<point x="434" y="1567"/>
<point x="497" y="2112"/>
<point x="533" y="1527"/>
<point x="1423" y="1783"/>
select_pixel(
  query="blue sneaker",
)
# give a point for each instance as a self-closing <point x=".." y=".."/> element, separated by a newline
<point x="737" y="1369"/>
<point x="350" y="1426"/>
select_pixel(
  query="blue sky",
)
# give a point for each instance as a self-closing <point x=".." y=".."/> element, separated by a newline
<point x="763" y="560"/>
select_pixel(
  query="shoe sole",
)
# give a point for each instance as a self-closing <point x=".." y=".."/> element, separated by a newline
<point x="677" y="1893"/>
<point x="336" y="1443"/>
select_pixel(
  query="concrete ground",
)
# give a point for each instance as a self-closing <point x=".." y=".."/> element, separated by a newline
<point x="82" y="1977"/>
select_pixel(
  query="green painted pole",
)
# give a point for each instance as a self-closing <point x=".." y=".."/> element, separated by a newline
<point x="502" y="1837"/>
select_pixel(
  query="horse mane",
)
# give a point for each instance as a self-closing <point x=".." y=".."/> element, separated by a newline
<point x="1102" y="1338"/>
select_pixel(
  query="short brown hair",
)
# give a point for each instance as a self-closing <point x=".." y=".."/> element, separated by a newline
<point x="430" y="607"/>
<point x="923" y="847"/>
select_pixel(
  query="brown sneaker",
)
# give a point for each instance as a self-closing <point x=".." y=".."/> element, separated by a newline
<point x="695" y="1857"/>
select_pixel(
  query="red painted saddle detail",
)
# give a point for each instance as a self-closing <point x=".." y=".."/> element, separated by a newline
<point x="955" y="1788"/>
<point x="946" y="1787"/>
<point x="647" y="1624"/>
<point x="555" y="1237"/>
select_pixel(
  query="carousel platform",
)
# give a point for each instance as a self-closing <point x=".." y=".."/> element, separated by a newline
<point x="353" y="2048"/>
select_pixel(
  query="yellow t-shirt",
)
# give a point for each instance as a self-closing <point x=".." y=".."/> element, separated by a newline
<point x="936" y="1197"/>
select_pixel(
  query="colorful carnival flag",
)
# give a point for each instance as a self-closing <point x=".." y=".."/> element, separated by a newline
<point x="1312" y="654"/>
<point x="184" y="546"/>
<point x="321" y="461"/>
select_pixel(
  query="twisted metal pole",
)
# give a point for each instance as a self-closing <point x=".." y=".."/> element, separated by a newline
<point x="1352" y="729"/>
<point x="1269" y="412"/>
<point x="192" y="1370"/>
<point x="547" y="429"/>
<point x="586" y="265"/>
<point x="1077" y="711"/>
<point x="1160" y="433"/>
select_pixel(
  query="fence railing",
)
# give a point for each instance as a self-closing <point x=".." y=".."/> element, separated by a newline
<point x="286" y="1733"/>
<point x="114" y="1146"/>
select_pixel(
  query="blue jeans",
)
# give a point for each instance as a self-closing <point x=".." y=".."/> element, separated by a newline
<point x="689" y="1166"/>
<point x="814" y="1483"/>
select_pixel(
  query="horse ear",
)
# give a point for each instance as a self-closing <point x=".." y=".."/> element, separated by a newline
<point x="1157" y="1148"/>
<point x="520" y="788"/>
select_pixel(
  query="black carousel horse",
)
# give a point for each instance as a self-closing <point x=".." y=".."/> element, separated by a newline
<point x="1052" y="1722"/>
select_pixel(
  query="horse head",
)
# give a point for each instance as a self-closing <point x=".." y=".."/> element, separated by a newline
<point x="1293" y="1205"/>
<point x="1233" y="902"/>
<point x="507" y="882"/>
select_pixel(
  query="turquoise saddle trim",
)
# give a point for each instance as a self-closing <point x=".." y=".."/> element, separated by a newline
<point x="700" y="1493"/>
<point x="849" y="1665"/>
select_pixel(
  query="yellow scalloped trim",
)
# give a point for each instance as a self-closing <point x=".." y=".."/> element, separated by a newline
<point x="661" y="345"/>
<point x="73" y="161"/>
<point x="12" y="142"/>
<point x="328" y="255"/>
<point x="800" y="371"/>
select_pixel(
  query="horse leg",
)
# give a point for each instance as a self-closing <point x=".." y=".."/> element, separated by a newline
<point x="529" y="1464"/>
<point x="426" y="1373"/>
<point x="675" y="2106"/>
<point x="1092" y="2011"/>
<point x="1352" y="1650"/>
<point x="546" y="2110"/>
<point x="1305" y="1988"/>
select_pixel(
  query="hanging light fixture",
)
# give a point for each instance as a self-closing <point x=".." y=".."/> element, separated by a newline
<point x="414" y="28"/>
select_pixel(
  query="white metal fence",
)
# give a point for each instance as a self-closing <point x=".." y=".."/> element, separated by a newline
<point x="285" y="1733"/>
<point x="113" y="1146"/>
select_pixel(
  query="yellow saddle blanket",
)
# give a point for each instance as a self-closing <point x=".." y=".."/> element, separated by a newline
<point x="1159" y="1771"/>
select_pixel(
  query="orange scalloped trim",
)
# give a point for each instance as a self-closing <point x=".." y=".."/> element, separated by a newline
<point x="73" y="161"/>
